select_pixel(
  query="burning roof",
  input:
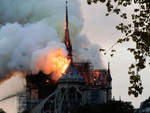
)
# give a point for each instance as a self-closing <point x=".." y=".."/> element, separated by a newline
<point x="72" y="75"/>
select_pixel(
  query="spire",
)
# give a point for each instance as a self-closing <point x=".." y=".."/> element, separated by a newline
<point x="119" y="98"/>
<point x="108" y="67"/>
<point x="67" y="38"/>
<point x="66" y="21"/>
<point x="109" y="78"/>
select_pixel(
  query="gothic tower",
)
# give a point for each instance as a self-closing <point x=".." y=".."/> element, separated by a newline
<point x="67" y="37"/>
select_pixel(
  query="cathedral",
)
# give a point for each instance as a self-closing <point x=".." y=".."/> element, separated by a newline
<point x="81" y="84"/>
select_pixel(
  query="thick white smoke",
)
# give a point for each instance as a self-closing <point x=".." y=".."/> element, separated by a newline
<point x="50" y="11"/>
<point x="30" y="26"/>
<point x="19" y="44"/>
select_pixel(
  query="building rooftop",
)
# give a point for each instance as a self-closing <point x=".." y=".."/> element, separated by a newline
<point x="71" y="75"/>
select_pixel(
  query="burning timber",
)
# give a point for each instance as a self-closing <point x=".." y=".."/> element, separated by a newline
<point x="78" y="83"/>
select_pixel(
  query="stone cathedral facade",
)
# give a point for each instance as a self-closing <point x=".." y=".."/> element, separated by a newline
<point x="72" y="91"/>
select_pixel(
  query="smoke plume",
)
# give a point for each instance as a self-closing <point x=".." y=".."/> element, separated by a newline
<point x="32" y="26"/>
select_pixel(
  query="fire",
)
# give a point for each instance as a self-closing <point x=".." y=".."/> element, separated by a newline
<point x="58" y="63"/>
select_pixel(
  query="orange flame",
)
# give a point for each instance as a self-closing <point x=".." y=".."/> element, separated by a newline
<point x="59" y="63"/>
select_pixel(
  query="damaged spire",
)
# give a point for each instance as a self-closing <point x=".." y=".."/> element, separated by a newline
<point x="67" y="37"/>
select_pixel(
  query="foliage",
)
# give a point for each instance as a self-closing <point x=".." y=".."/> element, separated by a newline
<point x="137" y="31"/>
<point x="109" y="107"/>
<point x="2" y="111"/>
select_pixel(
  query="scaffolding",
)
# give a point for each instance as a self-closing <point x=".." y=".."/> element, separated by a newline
<point x="21" y="99"/>
<point x="84" y="68"/>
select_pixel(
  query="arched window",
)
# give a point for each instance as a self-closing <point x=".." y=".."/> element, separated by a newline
<point x="72" y="99"/>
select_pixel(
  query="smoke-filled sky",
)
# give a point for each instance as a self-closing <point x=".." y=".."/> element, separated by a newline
<point x="29" y="28"/>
